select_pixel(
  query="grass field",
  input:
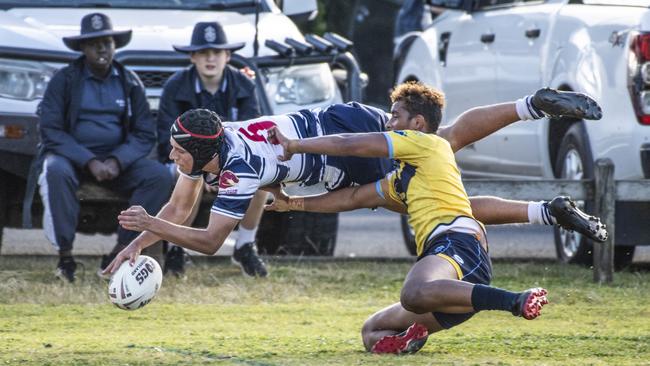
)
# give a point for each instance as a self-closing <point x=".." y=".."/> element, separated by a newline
<point x="309" y="313"/>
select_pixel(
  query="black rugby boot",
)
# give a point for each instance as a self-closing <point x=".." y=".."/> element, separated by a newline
<point x="250" y="262"/>
<point x="555" y="104"/>
<point x="570" y="217"/>
<point x="529" y="303"/>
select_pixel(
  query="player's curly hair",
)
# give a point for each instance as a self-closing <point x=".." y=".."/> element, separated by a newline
<point x="418" y="98"/>
<point x="199" y="131"/>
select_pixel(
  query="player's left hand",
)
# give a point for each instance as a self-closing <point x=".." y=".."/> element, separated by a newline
<point x="280" y="200"/>
<point x="277" y="138"/>
<point x="135" y="218"/>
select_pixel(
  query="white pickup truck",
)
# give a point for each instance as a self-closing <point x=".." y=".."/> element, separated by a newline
<point x="289" y="78"/>
<point x="488" y="51"/>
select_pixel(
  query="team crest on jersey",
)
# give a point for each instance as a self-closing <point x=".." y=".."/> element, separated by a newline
<point x="227" y="179"/>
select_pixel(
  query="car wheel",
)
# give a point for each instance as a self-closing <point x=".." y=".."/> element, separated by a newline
<point x="574" y="162"/>
<point x="623" y="256"/>
<point x="409" y="235"/>
<point x="297" y="233"/>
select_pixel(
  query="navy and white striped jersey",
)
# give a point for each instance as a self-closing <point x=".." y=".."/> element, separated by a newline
<point x="249" y="141"/>
<point x="249" y="161"/>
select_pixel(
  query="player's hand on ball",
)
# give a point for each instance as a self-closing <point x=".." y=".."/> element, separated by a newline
<point x="135" y="218"/>
<point x="130" y="253"/>
<point x="277" y="138"/>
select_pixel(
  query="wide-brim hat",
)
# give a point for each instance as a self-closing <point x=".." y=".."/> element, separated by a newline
<point x="209" y="35"/>
<point x="97" y="25"/>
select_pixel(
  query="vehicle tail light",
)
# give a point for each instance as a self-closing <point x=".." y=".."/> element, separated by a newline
<point x="639" y="76"/>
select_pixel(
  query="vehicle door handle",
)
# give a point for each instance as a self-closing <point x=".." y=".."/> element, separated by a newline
<point x="533" y="33"/>
<point x="487" y="38"/>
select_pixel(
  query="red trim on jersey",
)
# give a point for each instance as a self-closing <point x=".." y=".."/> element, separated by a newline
<point x="178" y="120"/>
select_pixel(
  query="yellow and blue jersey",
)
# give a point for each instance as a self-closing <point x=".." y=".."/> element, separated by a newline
<point x="428" y="183"/>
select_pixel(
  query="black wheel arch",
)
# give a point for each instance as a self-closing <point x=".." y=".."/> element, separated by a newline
<point x="557" y="129"/>
<point x="400" y="55"/>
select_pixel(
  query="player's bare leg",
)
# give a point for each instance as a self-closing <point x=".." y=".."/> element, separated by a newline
<point x="388" y="323"/>
<point x="561" y="211"/>
<point x="431" y="286"/>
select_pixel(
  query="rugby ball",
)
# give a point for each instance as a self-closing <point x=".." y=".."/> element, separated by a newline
<point x="134" y="286"/>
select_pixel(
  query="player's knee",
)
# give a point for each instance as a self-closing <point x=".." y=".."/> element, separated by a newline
<point x="410" y="299"/>
<point x="420" y="298"/>
<point x="366" y="334"/>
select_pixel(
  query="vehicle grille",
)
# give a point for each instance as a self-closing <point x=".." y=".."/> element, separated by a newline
<point x="153" y="78"/>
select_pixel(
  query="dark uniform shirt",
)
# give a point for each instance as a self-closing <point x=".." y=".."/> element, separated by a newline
<point x="217" y="102"/>
<point x="99" y="126"/>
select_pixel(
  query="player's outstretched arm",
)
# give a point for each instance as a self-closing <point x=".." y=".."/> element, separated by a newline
<point x="206" y="241"/>
<point x="367" y="145"/>
<point x="477" y="123"/>
<point x="183" y="198"/>
<point x="346" y="199"/>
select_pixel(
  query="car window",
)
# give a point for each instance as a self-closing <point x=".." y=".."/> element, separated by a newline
<point x="498" y="4"/>
<point x="618" y="2"/>
<point x="231" y="5"/>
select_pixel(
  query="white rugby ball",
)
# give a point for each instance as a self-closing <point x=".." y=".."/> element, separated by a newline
<point x="132" y="287"/>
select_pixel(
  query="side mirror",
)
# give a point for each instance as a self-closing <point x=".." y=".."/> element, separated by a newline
<point x="300" y="10"/>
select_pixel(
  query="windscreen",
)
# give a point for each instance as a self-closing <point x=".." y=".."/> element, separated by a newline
<point x="242" y="6"/>
<point x="645" y="3"/>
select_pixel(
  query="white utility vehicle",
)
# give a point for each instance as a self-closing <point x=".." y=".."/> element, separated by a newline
<point x="489" y="51"/>
<point x="289" y="78"/>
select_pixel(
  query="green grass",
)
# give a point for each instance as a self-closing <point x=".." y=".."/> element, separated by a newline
<point x="309" y="313"/>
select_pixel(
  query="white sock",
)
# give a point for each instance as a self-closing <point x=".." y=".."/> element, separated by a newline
<point x="538" y="213"/>
<point x="526" y="110"/>
<point x="245" y="236"/>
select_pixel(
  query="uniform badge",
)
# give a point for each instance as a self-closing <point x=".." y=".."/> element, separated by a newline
<point x="210" y="34"/>
<point x="227" y="179"/>
<point x="96" y="22"/>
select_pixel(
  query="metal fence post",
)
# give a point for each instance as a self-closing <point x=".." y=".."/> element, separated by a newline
<point x="605" y="208"/>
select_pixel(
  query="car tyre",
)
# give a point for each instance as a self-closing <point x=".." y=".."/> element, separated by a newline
<point x="297" y="233"/>
<point x="574" y="162"/>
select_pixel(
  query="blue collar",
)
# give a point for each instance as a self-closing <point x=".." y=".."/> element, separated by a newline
<point x="88" y="75"/>
<point x="198" y="85"/>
